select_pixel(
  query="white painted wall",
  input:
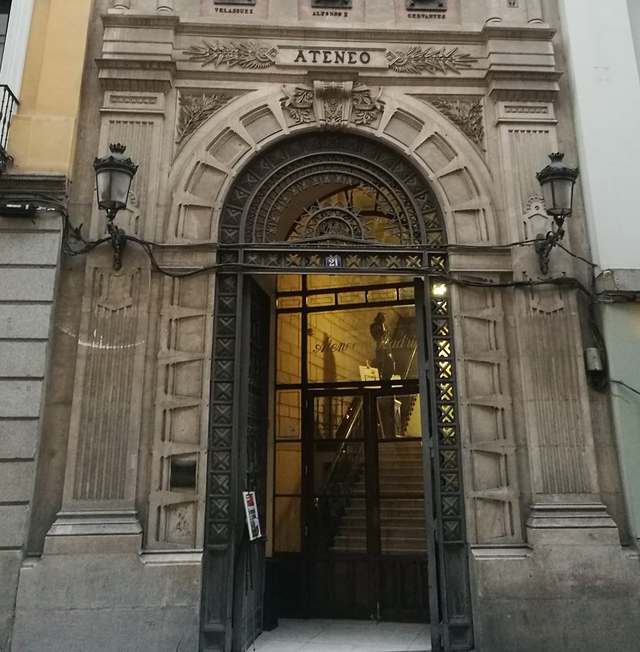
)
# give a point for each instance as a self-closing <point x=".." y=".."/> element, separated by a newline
<point x="15" y="49"/>
<point x="634" y="13"/>
<point x="605" y="80"/>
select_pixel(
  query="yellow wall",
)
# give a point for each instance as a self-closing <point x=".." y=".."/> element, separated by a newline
<point x="42" y="136"/>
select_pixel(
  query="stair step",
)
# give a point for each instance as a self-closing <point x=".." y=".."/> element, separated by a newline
<point x="389" y="522"/>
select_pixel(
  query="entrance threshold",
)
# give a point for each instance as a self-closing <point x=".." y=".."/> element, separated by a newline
<point x="344" y="636"/>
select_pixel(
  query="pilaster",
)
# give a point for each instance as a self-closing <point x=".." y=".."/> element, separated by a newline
<point x="102" y="457"/>
<point x="565" y="496"/>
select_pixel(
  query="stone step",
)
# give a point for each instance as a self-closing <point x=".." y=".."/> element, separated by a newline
<point x="416" y="520"/>
<point x="359" y="543"/>
<point x="393" y="534"/>
<point x="395" y="505"/>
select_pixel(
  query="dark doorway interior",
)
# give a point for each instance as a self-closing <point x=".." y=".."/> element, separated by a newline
<point x="348" y="519"/>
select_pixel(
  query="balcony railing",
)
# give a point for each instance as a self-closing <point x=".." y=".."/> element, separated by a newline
<point x="8" y="105"/>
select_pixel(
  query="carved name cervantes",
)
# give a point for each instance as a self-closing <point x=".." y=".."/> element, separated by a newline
<point x="417" y="60"/>
<point x="465" y="113"/>
<point x="249" y="55"/>
<point x="195" y="109"/>
<point x="254" y="55"/>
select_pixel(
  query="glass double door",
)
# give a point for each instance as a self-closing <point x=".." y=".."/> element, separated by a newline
<point x="365" y="541"/>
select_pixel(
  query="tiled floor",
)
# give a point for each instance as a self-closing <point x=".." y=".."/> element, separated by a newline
<point x="343" y="636"/>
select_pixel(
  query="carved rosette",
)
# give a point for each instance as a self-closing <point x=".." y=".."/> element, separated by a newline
<point x="465" y="113"/>
<point x="195" y="109"/>
<point x="333" y="104"/>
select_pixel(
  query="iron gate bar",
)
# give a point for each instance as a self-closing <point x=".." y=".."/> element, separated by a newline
<point x="428" y="435"/>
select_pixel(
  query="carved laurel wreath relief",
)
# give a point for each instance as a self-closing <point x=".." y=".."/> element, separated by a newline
<point x="195" y="109"/>
<point x="465" y="113"/>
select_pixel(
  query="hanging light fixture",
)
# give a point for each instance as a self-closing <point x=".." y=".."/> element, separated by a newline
<point x="557" y="181"/>
<point x="114" y="174"/>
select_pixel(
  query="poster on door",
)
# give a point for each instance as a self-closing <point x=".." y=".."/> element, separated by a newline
<point x="251" y="511"/>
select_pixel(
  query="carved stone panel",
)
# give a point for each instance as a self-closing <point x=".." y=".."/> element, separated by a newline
<point x="556" y="405"/>
<point x="487" y="423"/>
<point x="141" y="134"/>
<point x="176" y="499"/>
<point x="466" y="113"/>
<point x="106" y="411"/>
<point x="195" y="109"/>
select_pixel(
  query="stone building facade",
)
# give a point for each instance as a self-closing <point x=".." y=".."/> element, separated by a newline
<point x="40" y="76"/>
<point x="241" y="115"/>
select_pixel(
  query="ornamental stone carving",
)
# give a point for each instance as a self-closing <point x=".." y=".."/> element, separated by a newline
<point x="333" y="104"/>
<point x="465" y="113"/>
<point x="195" y="109"/>
<point x="417" y="60"/>
<point x="249" y="55"/>
<point x="299" y="104"/>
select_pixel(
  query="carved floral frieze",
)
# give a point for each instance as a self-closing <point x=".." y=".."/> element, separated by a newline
<point x="249" y="55"/>
<point x="465" y="113"/>
<point x="332" y="104"/>
<point x="417" y="60"/>
<point x="255" y="55"/>
<point x="195" y="109"/>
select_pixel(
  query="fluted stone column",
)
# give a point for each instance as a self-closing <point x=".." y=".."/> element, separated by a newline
<point x="102" y="455"/>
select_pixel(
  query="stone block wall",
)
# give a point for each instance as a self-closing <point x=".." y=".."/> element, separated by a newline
<point x="29" y="253"/>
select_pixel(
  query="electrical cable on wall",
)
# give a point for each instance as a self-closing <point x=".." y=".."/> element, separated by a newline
<point x="600" y="381"/>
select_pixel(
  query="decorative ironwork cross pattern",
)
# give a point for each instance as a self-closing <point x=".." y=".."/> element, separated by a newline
<point x="448" y="441"/>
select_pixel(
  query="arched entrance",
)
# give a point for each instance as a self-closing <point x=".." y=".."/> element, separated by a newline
<point x="326" y="203"/>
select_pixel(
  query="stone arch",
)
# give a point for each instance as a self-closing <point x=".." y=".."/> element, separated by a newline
<point x="207" y="165"/>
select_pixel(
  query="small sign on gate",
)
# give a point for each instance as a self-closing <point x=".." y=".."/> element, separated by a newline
<point x="251" y="511"/>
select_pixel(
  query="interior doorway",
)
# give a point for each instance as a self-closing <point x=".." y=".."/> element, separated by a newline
<point x="347" y="536"/>
<point x="322" y="214"/>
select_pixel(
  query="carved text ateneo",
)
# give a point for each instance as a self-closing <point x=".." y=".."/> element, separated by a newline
<point x="331" y="56"/>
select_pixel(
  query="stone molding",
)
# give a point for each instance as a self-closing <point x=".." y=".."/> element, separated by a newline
<point x="30" y="185"/>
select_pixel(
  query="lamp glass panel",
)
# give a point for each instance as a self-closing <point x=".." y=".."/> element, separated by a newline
<point x="103" y="184"/>
<point x="120" y="184"/>
<point x="563" y="195"/>
<point x="549" y="198"/>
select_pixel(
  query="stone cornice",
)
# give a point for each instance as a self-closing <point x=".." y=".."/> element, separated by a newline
<point x="53" y="186"/>
<point x="158" y="21"/>
<point x="212" y="27"/>
<point x="464" y="34"/>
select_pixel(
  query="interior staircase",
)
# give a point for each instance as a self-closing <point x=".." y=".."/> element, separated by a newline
<point x="402" y="526"/>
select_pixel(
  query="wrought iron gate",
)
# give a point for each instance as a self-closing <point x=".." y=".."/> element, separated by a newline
<point x="251" y="236"/>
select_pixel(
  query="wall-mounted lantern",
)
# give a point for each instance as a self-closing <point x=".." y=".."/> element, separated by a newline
<point x="558" y="184"/>
<point x="114" y="174"/>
